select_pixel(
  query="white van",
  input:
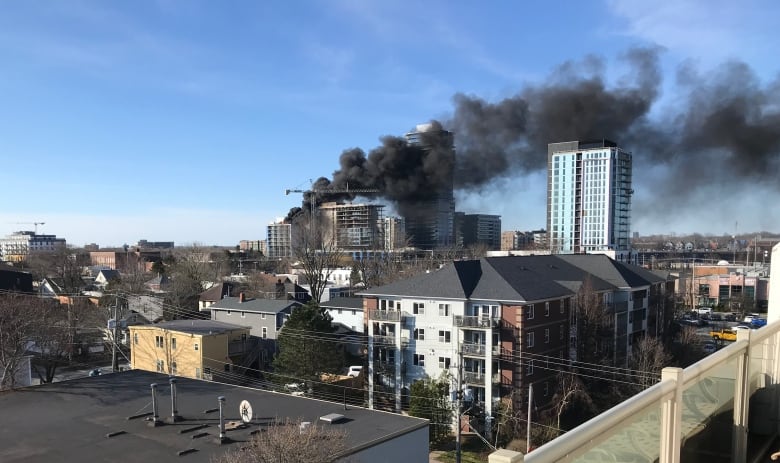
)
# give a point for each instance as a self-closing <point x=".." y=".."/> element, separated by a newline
<point x="704" y="310"/>
<point x="354" y="370"/>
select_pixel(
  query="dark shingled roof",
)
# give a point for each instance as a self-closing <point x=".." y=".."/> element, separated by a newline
<point x="199" y="326"/>
<point x="216" y="292"/>
<point x="255" y="305"/>
<point x="71" y="420"/>
<point x="354" y="303"/>
<point x="520" y="278"/>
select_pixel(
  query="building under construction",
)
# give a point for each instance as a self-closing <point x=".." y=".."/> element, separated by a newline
<point x="353" y="227"/>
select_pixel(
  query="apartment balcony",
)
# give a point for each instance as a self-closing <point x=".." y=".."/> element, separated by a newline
<point x="472" y="377"/>
<point x="476" y="322"/>
<point x="478" y="350"/>
<point x="384" y="340"/>
<point x="384" y="315"/>
<point x="722" y="408"/>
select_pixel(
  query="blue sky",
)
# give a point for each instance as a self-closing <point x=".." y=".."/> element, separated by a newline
<point x="187" y="120"/>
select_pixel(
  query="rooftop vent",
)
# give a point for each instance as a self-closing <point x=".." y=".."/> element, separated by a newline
<point x="332" y="418"/>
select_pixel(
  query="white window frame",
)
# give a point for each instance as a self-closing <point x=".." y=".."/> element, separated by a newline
<point x="444" y="363"/>
<point x="419" y="334"/>
<point x="265" y="332"/>
<point x="530" y="312"/>
<point x="418" y="308"/>
<point x="419" y="360"/>
<point x="444" y="308"/>
<point x="530" y="338"/>
<point x="547" y="309"/>
<point x="445" y="336"/>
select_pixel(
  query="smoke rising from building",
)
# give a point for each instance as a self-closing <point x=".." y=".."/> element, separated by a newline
<point x="722" y="128"/>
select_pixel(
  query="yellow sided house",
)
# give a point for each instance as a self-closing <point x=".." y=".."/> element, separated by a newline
<point x="189" y="348"/>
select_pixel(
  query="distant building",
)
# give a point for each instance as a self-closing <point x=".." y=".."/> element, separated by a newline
<point x="394" y="233"/>
<point x="524" y="240"/>
<point x="589" y="198"/>
<point x="12" y="279"/>
<point x="252" y="245"/>
<point x="91" y="247"/>
<point x="279" y="240"/>
<point x="482" y="229"/>
<point x="353" y="227"/>
<point x="17" y="246"/>
<point x="126" y="261"/>
<point x="430" y="224"/>
<point x="155" y="244"/>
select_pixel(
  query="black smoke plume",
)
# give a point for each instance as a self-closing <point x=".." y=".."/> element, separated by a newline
<point x="722" y="127"/>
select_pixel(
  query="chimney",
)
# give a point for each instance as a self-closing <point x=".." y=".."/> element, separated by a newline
<point x="240" y="297"/>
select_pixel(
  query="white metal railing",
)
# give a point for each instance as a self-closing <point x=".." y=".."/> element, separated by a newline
<point x="687" y="407"/>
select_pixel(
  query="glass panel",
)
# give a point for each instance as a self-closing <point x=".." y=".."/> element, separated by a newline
<point x="708" y="414"/>
<point x="637" y="441"/>
<point x="760" y="416"/>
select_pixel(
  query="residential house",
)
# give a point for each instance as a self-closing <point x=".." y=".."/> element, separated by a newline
<point x="189" y="348"/>
<point x="214" y="294"/>
<point x="263" y="317"/>
<point x="105" y="276"/>
<point x="347" y="311"/>
<point x="158" y="284"/>
<point x="508" y="318"/>
<point x="12" y="279"/>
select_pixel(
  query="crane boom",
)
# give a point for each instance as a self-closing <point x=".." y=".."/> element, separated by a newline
<point x="32" y="223"/>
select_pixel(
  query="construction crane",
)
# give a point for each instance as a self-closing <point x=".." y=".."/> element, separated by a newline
<point x="31" y="223"/>
<point x="316" y="191"/>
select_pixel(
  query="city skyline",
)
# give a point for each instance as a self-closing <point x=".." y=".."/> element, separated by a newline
<point x="187" y="121"/>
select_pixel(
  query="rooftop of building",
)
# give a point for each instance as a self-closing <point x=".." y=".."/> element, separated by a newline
<point x="72" y="420"/>
<point x="521" y="278"/>
<point x="197" y="326"/>
<point x="353" y="303"/>
<point x="255" y="304"/>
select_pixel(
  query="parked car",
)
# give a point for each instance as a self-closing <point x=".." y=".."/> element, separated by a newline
<point x="354" y="371"/>
<point x="741" y="327"/>
<point x="758" y="322"/>
<point x="727" y="334"/>
<point x="95" y="372"/>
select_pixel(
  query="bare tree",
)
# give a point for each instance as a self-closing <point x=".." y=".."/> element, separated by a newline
<point x="17" y="324"/>
<point x="317" y="253"/>
<point x="648" y="358"/>
<point x="593" y="322"/>
<point x="290" y="442"/>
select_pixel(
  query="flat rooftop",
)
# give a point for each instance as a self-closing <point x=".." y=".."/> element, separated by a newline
<point x="71" y="420"/>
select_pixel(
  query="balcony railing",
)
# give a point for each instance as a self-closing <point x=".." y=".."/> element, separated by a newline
<point x="385" y="315"/>
<point x="475" y="322"/>
<point x="473" y="350"/>
<point x="471" y="377"/>
<point x="701" y="412"/>
<point x="385" y="340"/>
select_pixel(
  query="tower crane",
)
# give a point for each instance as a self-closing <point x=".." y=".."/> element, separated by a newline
<point x="35" y="224"/>
<point x="315" y="191"/>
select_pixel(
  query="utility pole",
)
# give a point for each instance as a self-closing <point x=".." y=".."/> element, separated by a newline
<point x="114" y="360"/>
<point x="458" y="396"/>
<point x="528" y="417"/>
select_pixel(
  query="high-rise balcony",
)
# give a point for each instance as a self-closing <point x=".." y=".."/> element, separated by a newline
<point x="478" y="350"/>
<point x="722" y="408"/>
<point x="384" y="339"/>
<point x="384" y="315"/>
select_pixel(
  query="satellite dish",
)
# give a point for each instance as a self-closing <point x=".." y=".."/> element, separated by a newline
<point x="245" y="410"/>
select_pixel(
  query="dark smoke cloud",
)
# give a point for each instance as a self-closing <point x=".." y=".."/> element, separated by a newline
<point x="722" y="126"/>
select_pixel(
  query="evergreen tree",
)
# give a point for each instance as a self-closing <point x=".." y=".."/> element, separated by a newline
<point x="429" y="400"/>
<point x="307" y="346"/>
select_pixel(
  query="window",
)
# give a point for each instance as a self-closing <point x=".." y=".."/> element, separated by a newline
<point x="418" y="308"/>
<point x="444" y="362"/>
<point x="530" y="336"/>
<point x="444" y="310"/>
<point x="135" y="338"/>
<point x="196" y="346"/>
<point x="546" y="335"/>
<point x="173" y="343"/>
<point x="161" y="366"/>
<point x="546" y="309"/>
<point x="444" y="336"/>
<point x="262" y="316"/>
<point x="419" y="360"/>
<point x="529" y="368"/>
<point x="173" y="368"/>
<point x="243" y="314"/>
<point x="265" y="332"/>
<point x="419" y="334"/>
<point x="530" y="312"/>
<point x="562" y="304"/>
<point x="159" y="341"/>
